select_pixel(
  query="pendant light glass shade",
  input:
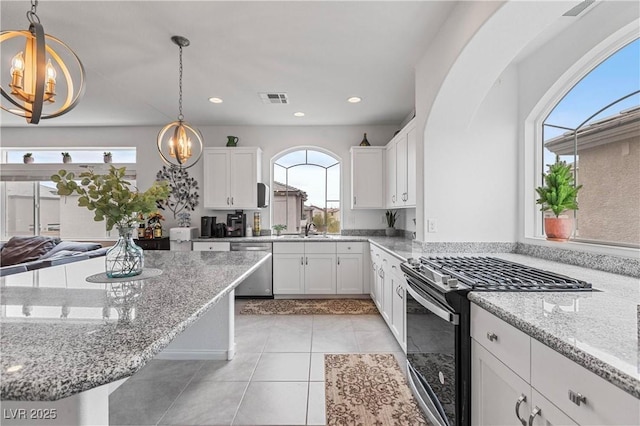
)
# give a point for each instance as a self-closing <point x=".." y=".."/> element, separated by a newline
<point x="179" y="143"/>
<point x="46" y="78"/>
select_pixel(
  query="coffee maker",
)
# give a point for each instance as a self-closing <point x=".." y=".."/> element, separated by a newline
<point x="207" y="226"/>
<point x="236" y="223"/>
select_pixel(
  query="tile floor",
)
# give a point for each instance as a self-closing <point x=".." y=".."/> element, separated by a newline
<point x="276" y="377"/>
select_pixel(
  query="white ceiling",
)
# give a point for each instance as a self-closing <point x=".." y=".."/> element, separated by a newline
<point x="318" y="52"/>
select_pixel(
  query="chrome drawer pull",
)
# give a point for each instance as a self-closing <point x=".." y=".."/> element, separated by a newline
<point x="533" y="415"/>
<point x="522" y="399"/>
<point x="492" y="336"/>
<point x="577" y="398"/>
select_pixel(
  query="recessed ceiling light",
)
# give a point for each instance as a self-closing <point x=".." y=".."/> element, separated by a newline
<point x="299" y="114"/>
<point x="215" y="100"/>
<point x="354" y="99"/>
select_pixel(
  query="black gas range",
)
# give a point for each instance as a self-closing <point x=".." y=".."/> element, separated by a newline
<point x="438" y="328"/>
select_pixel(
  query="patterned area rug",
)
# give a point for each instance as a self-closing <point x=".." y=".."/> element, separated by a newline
<point x="309" y="307"/>
<point x="368" y="389"/>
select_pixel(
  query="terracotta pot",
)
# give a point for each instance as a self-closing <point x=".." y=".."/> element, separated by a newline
<point x="558" y="228"/>
<point x="27" y="160"/>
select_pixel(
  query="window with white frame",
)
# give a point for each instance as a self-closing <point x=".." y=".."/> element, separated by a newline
<point x="306" y="189"/>
<point x="596" y="129"/>
<point x="28" y="199"/>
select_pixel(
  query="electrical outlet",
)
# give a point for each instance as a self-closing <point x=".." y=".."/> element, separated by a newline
<point x="432" y="225"/>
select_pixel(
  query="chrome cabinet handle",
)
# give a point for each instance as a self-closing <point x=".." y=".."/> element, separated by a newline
<point x="393" y="267"/>
<point x="393" y="198"/>
<point x="338" y="260"/>
<point x="522" y="399"/>
<point x="227" y="200"/>
<point x="533" y="415"/>
<point x="577" y="398"/>
<point x="302" y="260"/>
<point x="354" y="200"/>
<point x="231" y="200"/>
<point x="492" y="336"/>
<point x="306" y="260"/>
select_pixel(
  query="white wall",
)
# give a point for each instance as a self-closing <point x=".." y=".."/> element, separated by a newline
<point x="272" y="140"/>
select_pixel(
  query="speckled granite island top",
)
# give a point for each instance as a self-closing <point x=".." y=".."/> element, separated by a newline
<point x="61" y="335"/>
<point x="599" y="330"/>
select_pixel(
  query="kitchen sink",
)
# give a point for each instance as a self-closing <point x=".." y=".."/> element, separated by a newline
<point x="312" y="237"/>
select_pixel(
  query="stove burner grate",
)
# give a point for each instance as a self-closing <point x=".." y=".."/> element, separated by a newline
<point x="489" y="273"/>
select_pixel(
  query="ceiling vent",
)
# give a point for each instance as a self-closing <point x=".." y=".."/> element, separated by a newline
<point x="274" y="98"/>
<point x="577" y="10"/>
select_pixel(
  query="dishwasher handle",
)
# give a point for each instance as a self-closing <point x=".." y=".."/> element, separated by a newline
<point x="250" y="247"/>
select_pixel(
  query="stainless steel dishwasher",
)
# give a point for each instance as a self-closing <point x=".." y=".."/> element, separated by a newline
<point x="260" y="283"/>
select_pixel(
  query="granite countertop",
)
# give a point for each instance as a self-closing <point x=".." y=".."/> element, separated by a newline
<point x="61" y="335"/>
<point x="599" y="330"/>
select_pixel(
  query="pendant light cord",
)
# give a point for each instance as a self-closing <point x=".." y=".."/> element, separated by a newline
<point x="180" y="116"/>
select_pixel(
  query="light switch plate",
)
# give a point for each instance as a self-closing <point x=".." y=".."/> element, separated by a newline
<point x="432" y="225"/>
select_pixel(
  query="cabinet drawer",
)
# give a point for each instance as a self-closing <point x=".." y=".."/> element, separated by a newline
<point x="507" y="343"/>
<point x="555" y="376"/>
<point x="325" y="248"/>
<point x="211" y="246"/>
<point x="355" y="248"/>
<point x="293" y="248"/>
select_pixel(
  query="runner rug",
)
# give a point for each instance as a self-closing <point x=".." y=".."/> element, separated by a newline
<point x="309" y="307"/>
<point x="368" y="389"/>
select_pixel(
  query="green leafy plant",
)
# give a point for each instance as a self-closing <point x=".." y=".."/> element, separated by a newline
<point x="391" y="218"/>
<point x="107" y="154"/>
<point x="66" y="154"/>
<point x="279" y="228"/>
<point x="559" y="192"/>
<point x="110" y="196"/>
<point x="28" y="155"/>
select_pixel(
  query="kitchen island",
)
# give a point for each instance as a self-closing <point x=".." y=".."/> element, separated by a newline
<point x="66" y="340"/>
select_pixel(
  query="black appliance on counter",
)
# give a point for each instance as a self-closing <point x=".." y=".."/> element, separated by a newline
<point x="220" y="230"/>
<point x="207" y="226"/>
<point x="236" y="224"/>
<point x="438" y="324"/>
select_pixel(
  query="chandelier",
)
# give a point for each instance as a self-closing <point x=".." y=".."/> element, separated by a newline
<point x="32" y="91"/>
<point x="176" y="139"/>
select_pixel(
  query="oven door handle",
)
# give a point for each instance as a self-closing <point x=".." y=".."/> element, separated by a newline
<point x="437" y="310"/>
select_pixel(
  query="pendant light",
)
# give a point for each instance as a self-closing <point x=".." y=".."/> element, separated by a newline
<point x="34" y="69"/>
<point x="177" y="148"/>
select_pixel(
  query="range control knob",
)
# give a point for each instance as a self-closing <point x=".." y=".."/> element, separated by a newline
<point x="452" y="283"/>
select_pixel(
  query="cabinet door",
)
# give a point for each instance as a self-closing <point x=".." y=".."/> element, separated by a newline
<point x="496" y="390"/>
<point x="244" y="179"/>
<point x="387" y="291"/>
<point x="391" y="184"/>
<point x="367" y="177"/>
<point x="320" y="273"/>
<point x="401" y="168"/>
<point x="349" y="274"/>
<point x="411" y="168"/>
<point x="398" y="310"/>
<point x="216" y="180"/>
<point x="288" y="274"/>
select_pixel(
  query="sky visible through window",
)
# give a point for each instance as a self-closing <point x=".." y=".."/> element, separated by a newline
<point x="614" y="78"/>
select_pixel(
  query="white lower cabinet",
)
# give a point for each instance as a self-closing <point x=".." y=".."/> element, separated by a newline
<point x="388" y="292"/>
<point x="514" y="374"/>
<point x="288" y="273"/>
<point x="318" y="268"/>
<point x="496" y="390"/>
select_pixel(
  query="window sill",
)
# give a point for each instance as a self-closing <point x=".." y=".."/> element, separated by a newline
<point x="585" y="247"/>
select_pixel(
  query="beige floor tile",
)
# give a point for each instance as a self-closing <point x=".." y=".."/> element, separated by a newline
<point x="316" y="411"/>
<point x="317" y="367"/>
<point x="282" y="367"/>
<point x="239" y="369"/>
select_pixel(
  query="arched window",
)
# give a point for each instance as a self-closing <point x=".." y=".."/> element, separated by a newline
<point x="306" y="189"/>
<point x="596" y="129"/>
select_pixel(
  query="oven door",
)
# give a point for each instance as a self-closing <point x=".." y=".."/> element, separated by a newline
<point x="432" y="355"/>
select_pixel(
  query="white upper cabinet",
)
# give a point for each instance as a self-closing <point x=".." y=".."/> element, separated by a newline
<point x="401" y="169"/>
<point x="367" y="177"/>
<point x="231" y="177"/>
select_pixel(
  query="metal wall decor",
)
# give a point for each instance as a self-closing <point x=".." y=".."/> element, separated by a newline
<point x="34" y="69"/>
<point x="179" y="143"/>
<point x="183" y="195"/>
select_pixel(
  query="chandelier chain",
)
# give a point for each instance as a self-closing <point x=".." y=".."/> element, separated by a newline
<point x="31" y="14"/>
<point x="180" y="116"/>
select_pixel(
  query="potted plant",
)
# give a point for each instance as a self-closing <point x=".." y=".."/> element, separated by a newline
<point x="279" y="228"/>
<point x="66" y="157"/>
<point x="27" y="158"/>
<point x="111" y="198"/>
<point x="391" y="222"/>
<point x="106" y="157"/>
<point x="558" y="195"/>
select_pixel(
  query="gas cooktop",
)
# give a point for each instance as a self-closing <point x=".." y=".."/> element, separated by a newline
<point x="489" y="274"/>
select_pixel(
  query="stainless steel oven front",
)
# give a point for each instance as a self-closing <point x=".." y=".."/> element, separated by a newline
<point x="438" y="353"/>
